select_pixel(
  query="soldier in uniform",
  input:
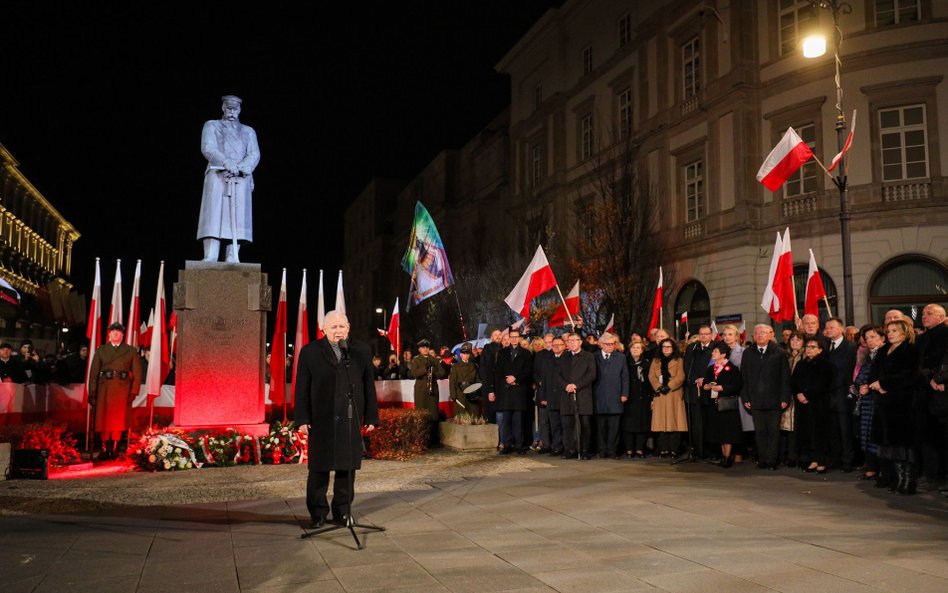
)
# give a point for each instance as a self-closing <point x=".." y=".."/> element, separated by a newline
<point x="426" y="369"/>
<point x="115" y="378"/>
<point x="463" y="374"/>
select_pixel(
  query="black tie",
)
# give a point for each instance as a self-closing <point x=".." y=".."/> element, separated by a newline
<point x="607" y="357"/>
<point x="832" y="346"/>
<point x="761" y="351"/>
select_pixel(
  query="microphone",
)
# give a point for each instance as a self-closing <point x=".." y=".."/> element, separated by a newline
<point x="344" y="348"/>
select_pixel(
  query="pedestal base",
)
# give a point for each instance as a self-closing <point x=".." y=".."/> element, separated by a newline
<point x="255" y="430"/>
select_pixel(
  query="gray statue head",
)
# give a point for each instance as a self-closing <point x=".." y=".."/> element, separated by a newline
<point x="230" y="106"/>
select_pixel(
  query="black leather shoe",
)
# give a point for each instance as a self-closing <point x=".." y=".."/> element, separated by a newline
<point x="339" y="519"/>
<point x="317" y="522"/>
<point x="846" y="469"/>
<point x="772" y="467"/>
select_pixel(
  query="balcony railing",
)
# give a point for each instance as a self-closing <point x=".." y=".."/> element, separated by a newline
<point x="693" y="230"/>
<point x="797" y="205"/>
<point x="906" y="191"/>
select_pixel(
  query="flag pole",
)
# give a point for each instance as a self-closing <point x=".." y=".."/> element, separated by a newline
<point x="563" y="300"/>
<point x="826" y="300"/>
<point x="825" y="170"/>
<point x="460" y="315"/>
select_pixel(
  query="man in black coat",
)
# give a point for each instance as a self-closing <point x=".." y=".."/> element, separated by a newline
<point x="610" y="392"/>
<point x="328" y="372"/>
<point x="542" y="368"/>
<point x="552" y="391"/>
<point x="766" y="394"/>
<point x="933" y="433"/>
<point x="697" y="359"/>
<point x="578" y="376"/>
<point x="513" y="383"/>
<point x="485" y="368"/>
<point x="842" y="355"/>
<point x="11" y="369"/>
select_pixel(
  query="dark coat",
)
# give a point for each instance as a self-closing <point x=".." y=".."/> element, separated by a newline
<point x="322" y="383"/>
<point x="113" y="396"/>
<point x="516" y="397"/>
<point x="11" y="371"/>
<point x="612" y="382"/>
<point x="723" y="426"/>
<point x="637" y="411"/>
<point x="766" y="377"/>
<point x="815" y="380"/>
<point x="697" y="359"/>
<point x="419" y="372"/>
<point x="899" y="375"/>
<point x="580" y="371"/>
<point x="932" y="346"/>
<point x="843" y="360"/>
<point x="555" y="390"/>
<point x="542" y="375"/>
<point x="485" y="366"/>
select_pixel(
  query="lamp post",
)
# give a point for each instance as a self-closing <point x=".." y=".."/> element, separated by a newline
<point x="382" y="312"/>
<point x="814" y="47"/>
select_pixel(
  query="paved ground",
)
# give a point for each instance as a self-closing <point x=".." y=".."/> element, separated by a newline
<point x="592" y="527"/>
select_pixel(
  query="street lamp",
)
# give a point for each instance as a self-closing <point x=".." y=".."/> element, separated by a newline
<point x="382" y="312"/>
<point x="814" y="46"/>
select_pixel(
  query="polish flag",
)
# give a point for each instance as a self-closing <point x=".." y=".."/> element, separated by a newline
<point x="611" y="326"/>
<point x="846" y="145"/>
<point x="93" y="328"/>
<point x="278" y="350"/>
<point x="158" y="361"/>
<point x="571" y="310"/>
<point x="537" y="279"/>
<point x="814" y="288"/>
<point x="173" y="330"/>
<point x="657" y="305"/>
<point x="779" y="299"/>
<point x="394" y="330"/>
<point x="115" y="307"/>
<point x="784" y="160"/>
<point x="684" y="318"/>
<point x="134" y="310"/>
<point x="340" y="298"/>
<point x="302" y="336"/>
<point x="714" y="331"/>
<point x="144" y="337"/>
<point x="320" y="310"/>
<point x="767" y="302"/>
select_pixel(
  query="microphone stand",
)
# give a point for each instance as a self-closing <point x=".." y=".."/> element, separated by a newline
<point x="348" y="523"/>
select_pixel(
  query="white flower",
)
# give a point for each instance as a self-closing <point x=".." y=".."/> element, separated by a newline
<point x="167" y="464"/>
<point x="182" y="463"/>
<point x="177" y="450"/>
<point x="190" y="465"/>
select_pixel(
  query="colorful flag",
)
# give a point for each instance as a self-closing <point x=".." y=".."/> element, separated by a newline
<point x="784" y="160"/>
<point x="320" y="310"/>
<point x="302" y="336"/>
<point x="93" y="328"/>
<point x="537" y="279"/>
<point x="394" y="330"/>
<point x="158" y="360"/>
<point x="846" y="145"/>
<point x="425" y="260"/>
<point x="278" y="350"/>
<point x="115" y="307"/>
<point x="814" y="288"/>
<point x="657" y="304"/>
<point x="134" y="310"/>
<point x="564" y="314"/>
<point x="340" y="297"/>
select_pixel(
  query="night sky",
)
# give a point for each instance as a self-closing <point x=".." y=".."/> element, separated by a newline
<point x="103" y="105"/>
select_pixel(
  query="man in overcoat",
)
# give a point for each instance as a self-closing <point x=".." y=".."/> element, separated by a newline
<point x="766" y="372"/>
<point x="328" y="372"/>
<point x="697" y="359"/>
<point x="610" y="391"/>
<point x="485" y="367"/>
<point x="578" y="376"/>
<point x="115" y="378"/>
<point x="842" y="355"/>
<point x="513" y="388"/>
<point x="551" y="392"/>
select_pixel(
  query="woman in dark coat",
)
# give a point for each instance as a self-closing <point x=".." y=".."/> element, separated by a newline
<point x="810" y="384"/>
<point x="873" y="336"/>
<point x="722" y="379"/>
<point x="896" y="376"/>
<point x="637" y="409"/>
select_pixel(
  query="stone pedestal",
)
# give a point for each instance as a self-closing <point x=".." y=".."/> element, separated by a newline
<point x="221" y="347"/>
<point x="468" y="437"/>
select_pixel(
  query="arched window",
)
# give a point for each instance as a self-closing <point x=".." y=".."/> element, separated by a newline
<point x="800" y="272"/>
<point x="907" y="283"/>
<point x="692" y="298"/>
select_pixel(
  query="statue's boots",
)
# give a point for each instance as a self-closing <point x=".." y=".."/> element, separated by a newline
<point x="232" y="253"/>
<point x="212" y="249"/>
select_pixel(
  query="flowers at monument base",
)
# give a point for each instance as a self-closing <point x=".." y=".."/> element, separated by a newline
<point x="163" y="450"/>
<point x="49" y="436"/>
<point x="283" y="444"/>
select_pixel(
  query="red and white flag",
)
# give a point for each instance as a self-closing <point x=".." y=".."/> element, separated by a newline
<point x="814" y="289"/>
<point x="158" y="360"/>
<point x="566" y="314"/>
<point x="115" y="307"/>
<point x="784" y="160"/>
<point x="394" y="330"/>
<point x="302" y="336"/>
<point x="846" y="145"/>
<point x="340" y="297"/>
<point x="779" y="299"/>
<point x="278" y="350"/>
<point x="93" y="328"/>
<point x="320" y="310"/>
<point x="173" y="330"/>
<point x="684" y="319"/>
<point x="537" y="279"/>
<point x="134" y="310"/>
<point x="144" y="336"/>
<point x="611" y="326"/>
<point x="714" y="331"/>
<point x="657" y="304"/>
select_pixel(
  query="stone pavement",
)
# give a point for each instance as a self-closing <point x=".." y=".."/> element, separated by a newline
<point x="591" y="527"/>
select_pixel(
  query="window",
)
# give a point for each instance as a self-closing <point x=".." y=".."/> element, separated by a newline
<point x="587" y="60"/>
<point x="625" y="113"/>
<point x="908" y="284"/>
<point x="625" y="29"/>
<point x="805" y="179"/>
<point x="586" y="137"/>
<point x="897" y="12"/>
<point x="535" y="171"/>
<point x="692" y="299"/>
<point x="537" y="96"/>
<point x="691" y="68"/>
<point x="904" y="147"/>
<point x="694" y="190"/>
<point x="796" y="18"/>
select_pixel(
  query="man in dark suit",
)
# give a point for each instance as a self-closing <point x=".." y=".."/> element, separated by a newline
<point x="485" y="368"/>
<point x="610" y="391"/>
<point x="842" y="355"/>
<point x="697" y="359"/>
<point x="933" y="433"/>
<point x="578" y="377"/>
<point x="513" y="375"/>
<point x="542" y="367"/>
<point x="766" y="394"/>
<point x="330" y="376"/>
<point x="552" y="392"/>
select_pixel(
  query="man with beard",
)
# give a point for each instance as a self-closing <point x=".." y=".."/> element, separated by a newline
<point x="485" y="369"/>
<point x="335" y="400"/>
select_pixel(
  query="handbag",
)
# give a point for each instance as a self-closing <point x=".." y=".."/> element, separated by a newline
<point x="726" y="403"/>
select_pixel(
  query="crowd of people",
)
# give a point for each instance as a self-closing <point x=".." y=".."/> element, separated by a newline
<point x="821" y="398"/>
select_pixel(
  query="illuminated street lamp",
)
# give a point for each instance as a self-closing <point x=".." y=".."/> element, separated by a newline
<point x="814" y="46"/>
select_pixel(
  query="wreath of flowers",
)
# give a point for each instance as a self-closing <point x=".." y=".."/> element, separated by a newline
<point x="163" y="450"/>
<point x="282" y="445"/>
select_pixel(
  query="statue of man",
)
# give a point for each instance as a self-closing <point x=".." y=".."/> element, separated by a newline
<point x="232" y="154"/>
